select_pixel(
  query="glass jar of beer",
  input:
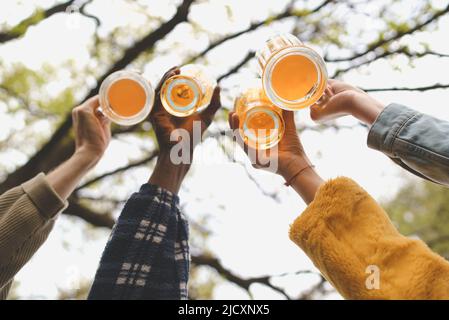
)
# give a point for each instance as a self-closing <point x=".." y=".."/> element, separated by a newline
<point x="293" y="75"/>
<point x="126" y="97"/>
<point x="261" y="123"/>
<point x="188" y="92"/>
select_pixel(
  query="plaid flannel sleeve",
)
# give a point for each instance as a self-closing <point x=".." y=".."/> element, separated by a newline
<point x="147" y="256"/>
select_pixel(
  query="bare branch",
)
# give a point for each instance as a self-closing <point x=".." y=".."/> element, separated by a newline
<point x="425" y="53"/>
<point x="402" y="50"/>
<point x="288" y="13"/>
<point x="97" y="219"/>
<point x="82" y="10"/>
<point x="37" y="162"/>
<point x="203" y="260"/>
<point x="139" y="163"/>
<point x="237" y="67"/>
<point x="23" y="26"/>
<point x="398" y="35"/>
<point x="424" y="88"/>
<point x="318" y="288"/>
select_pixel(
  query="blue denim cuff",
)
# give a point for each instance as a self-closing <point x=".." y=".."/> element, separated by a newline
<point x="387" y="127"/>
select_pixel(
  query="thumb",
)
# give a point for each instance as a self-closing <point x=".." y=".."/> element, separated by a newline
<point x="330" y="110"/>
<point x="324" y="107"/>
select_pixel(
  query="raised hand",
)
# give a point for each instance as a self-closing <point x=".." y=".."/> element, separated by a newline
<point x="342" y="99"/>
<point x="168" y="173"/>
<point x="165" y="123"/>
<point x="92" y="129"/>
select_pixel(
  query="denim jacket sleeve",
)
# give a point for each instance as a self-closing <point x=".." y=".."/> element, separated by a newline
<point x="415" y="141"/>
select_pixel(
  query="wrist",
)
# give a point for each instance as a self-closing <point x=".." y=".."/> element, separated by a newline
<point x="366" y="109"/>
<point x="307" y="184"/>
<point x="302" y="177"/>
<point x="293" y="165"/>
<point x="167" y="174"/>
<point x="86" y="158"/>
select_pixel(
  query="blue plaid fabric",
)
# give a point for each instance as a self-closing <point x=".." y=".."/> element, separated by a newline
<point x="147" y="256"/>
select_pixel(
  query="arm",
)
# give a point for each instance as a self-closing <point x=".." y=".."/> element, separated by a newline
<point x="28" y="212"/>
<point x="415" y="141"/>
<point x="147" y="256"/>
<point x="345" y="233"/>
<point x="27" y="215"/>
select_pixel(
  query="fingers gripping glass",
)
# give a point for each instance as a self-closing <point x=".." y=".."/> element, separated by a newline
<point x="126" y="98"/>
<point x="293" y="75"/>
<point x="188" y="92"/>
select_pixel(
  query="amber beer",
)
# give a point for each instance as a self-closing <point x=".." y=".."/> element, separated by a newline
<point x="261" y="123"/>
<point x="293" y="75"/>
<point x="188" y="92"/>
<point x="126" y="98"/>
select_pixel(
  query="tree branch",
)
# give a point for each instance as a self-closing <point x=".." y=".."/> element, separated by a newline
<point x="88" y="15"/>
<point x="289" y="12"/>
<point x="237" y="67"/>
<point x="76" y="209"/>
<point x="398" y="35"/>
<point x="403" y="50"/>
<point x="203" y="260"/>
<point x="38" y="162"/>
<point x="424" y="88"/>
<point x="139" y="163"/>
<point x="318" y="288"/>
<point x="20" y="29"/>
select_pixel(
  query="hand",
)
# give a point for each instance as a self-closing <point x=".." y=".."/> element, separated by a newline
<point x="164" y="123"/>
<point x="290" y="156"/>
<point x="167" y="174"/>
<point x="289" y="152"/>
<point x="92" y="136"/>
<point x="92" y="130"/>
<point x="342" y="99"/>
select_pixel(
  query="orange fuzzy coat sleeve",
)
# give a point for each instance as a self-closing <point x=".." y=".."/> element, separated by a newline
<point x="345" y="232"/>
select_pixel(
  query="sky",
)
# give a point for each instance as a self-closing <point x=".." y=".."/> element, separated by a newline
<point x="249" y="230"/>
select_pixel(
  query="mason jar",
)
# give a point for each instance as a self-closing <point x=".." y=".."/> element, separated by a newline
<point x="261" y="125"/>
<point x="188" y="92"/>
<point x="126" y="97"/>
<point x="293" y="75"/>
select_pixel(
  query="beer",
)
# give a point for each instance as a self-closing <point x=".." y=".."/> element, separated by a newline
<point x="293" y="75"/>
<point x="261" y="123"/>
<point x="126" y="98"/>
<point x="188" y="92"/>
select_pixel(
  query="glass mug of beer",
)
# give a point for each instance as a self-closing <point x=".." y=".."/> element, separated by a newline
<point x="126" y="97"/>
<point x="293" y="75"/>
<point x="261" y="124"/>
<point x="188" y="92"/>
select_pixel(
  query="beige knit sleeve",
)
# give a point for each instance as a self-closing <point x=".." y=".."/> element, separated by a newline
<point x="27" y="215"/>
